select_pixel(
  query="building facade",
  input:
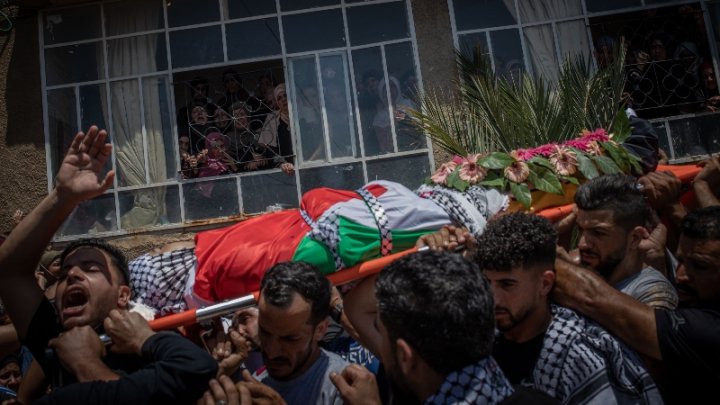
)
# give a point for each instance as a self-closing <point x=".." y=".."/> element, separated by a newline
<point x="178" y="80"/>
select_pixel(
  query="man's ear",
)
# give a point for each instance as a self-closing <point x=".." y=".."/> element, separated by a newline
<point x="124" y="294"/>
<point x="637" y="234"/>
<point x="405" y="356"/>
<point x="320" y="330"/>
<point x="548" y="281"/>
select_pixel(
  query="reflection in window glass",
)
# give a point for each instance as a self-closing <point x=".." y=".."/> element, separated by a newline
<point x="473" y="45"/>
<point x="663" y="141"/>
<point x="543" y="10"/>
<point x="695" y="136"/>
<point x="396" y="169"/>
<point x="249" y="8"/>
<point x="604" y="5"/>
<point x="472" y="14"/>
<point x="149" y="207"/>
<point x="383" y="22"/>
<point x="62" y="123"/>
<point x="261" y="191"/>
<point x="197" y="46"/>
<point x="313" y="31"/>
<point x="91" y="217"/>
<point x="93" y="106"/>
<point x="367" y="64"/>
<point x="291" y="5"/>
<point x="507" y="53"/>
<point x="541" y="45"/>
<point x="341" y="125"/>
<point x="73" y="63"/>
<point x="136" y="55"/>
<point x="71" y="24"/>
<point x="188" y="12"/>
<point x="308" y="108"/>
<point x="404" y="82"/>
<point x="252" y="39"/>
<point x="211" y="199"/>
<point x="345" y="177"/>
<point x="158" y="129"/>
<point x="129" y="16"/>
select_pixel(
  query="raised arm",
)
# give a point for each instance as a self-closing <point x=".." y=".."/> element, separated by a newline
<point x="623" y="316"/>
<point x="78" y="179"/>
<point x="360" y="307"/>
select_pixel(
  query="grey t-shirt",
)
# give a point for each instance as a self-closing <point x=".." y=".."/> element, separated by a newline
<point x="313" y="386"/>
<point x="650" y="287"/>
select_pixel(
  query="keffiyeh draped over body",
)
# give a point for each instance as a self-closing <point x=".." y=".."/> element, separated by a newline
<point x="581" y="363"/>
<point x="482" y="383"/>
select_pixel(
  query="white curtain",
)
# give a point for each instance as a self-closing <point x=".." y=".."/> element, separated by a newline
<point x="127" y="57"/>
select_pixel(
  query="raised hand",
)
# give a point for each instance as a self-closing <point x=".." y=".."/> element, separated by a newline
<point x="79" y="177"/>
<point x="261" y="393"/>
<point x="356" y="385"/>
<point x="128" y="330"/>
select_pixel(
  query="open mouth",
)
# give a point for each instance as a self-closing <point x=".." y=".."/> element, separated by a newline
<point x="74" y="302"/>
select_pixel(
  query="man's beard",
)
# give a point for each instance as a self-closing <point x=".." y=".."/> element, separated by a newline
<point x="512" y="320"/>
<point x="606" y="267"/>
<point x="400" y="393"/>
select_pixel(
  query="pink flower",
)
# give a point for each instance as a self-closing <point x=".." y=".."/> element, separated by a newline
<point x="473" y="157"/>
<point x="522" y="155"/>
<point x="594" y="148"/>
<point x="458" y="159"/>
<point x="580" y="144"/>
<point x="544" y="150"/>
<point x="564" y="160"/>
<point x="517" y="172"/>
<point x="471" y="171"/>
<point x="441" y="175"/>
<point x="597" y="135"/>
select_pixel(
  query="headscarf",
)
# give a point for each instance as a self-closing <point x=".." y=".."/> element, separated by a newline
<point x="280" y="89"/>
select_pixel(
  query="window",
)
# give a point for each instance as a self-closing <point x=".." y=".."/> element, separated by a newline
<point x="673" y="88"/>
<point x="140" y="68"/>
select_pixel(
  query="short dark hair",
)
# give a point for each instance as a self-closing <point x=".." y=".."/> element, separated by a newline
<point x="618" y="193"/>
<point x="284" y="279"/>
<point x="441" y="304"/>
<point x="702" y="223"/>
<point x="116" y="256"/>
<point x="516" y="239"/>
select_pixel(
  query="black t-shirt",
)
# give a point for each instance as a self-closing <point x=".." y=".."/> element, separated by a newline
<point x="689" y="342"/>
<point x="517" y="360"/>
<point x="528" y="396"/>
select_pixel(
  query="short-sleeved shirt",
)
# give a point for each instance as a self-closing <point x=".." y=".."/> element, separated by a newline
<point x="650" y="287"/>
<point x="689" y="342"/>
<point x="313" y="386"/>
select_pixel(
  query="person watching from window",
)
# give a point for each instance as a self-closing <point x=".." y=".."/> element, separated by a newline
<point x="275" y="136"/>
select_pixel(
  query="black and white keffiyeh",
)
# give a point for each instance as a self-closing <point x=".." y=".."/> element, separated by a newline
<point x="580" y="363"/>
<point x="470" y="208"/>
<point x="159" y="281"/>
<point x="479" y="383"/>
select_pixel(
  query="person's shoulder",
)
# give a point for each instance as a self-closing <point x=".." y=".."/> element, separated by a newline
<point x="335" y="362"/>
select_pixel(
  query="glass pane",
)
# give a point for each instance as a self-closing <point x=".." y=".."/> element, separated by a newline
<point x="149" y="207"/>
<point x="473" y="45"/>
<point x="507" y="53"/>
<point x="313" y="31"/>
<point x="71" y="24"/>
<point x="158" y="129"/>
<point x="128" y="16"/>
<point x="290" y="5"/>
<point x="62" y="123"/>
<point x="127" y="129"/>
<point x="308" y="109"/>
<point x="91" y="217"/>
<point x="368" y="74"/>
<point x="409" y="171"/>
<point x="261" y="191"/>
<point x="695" y="136"/>
<point x="188" y="12"/>
<point x="344" y="177"/>
<point x="211" y="199"/>
<point x="252" y="39"/>
<point x="197" y="46"/>
<point x="403" y="78"/>
<point x="383" y="22"/>
<point x="573" y="39"/>
<point x="74" y="63"/>
<point x="137" y="55"/>
<point x="93" y="106"/>
<point x="604" y="5"/>
<point x="473" y="14"/>
<point x="541" y="46"/>
<point x="341" y="125"/>
<point x="249" y="8"/>
<point x="663" y="141"/>
<point x="543" y="10"/>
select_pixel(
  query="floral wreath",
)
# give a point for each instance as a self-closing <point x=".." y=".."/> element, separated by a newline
<point x="544" y="168"/>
